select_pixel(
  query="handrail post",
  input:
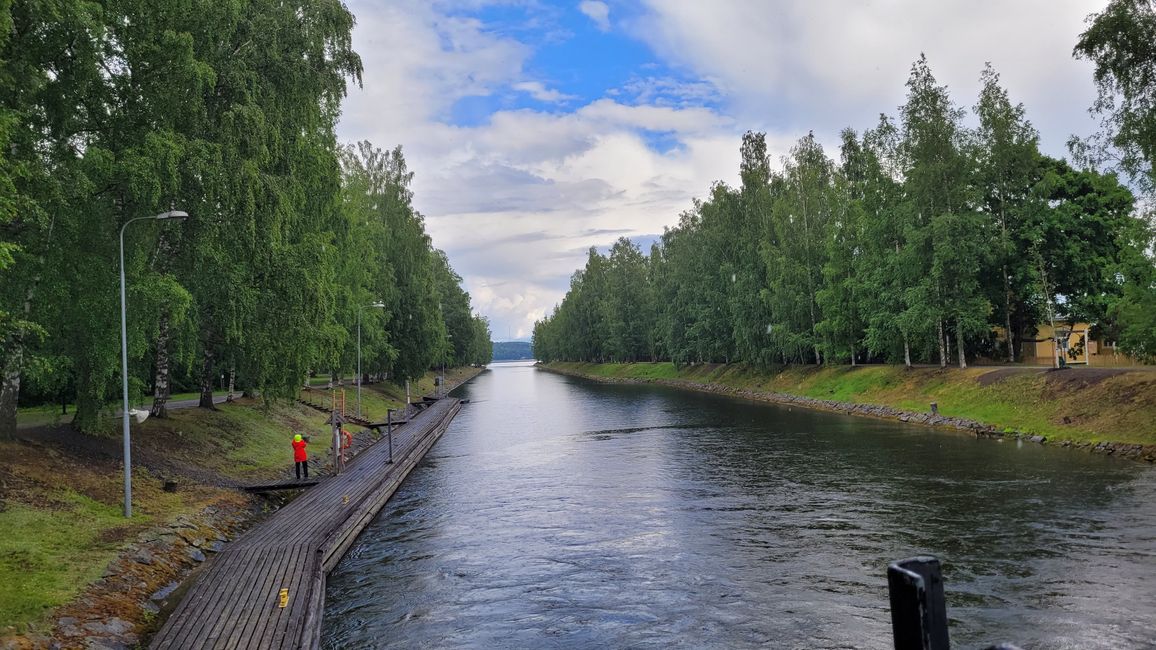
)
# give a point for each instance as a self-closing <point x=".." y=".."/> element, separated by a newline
<point x="918" y="607"/>
<point x="336" y="420"/>
<point x="389" y="432"/>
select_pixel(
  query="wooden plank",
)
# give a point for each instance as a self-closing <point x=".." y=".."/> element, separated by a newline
<point x="310" y="632"/>
<point x="339" y="542"/>
<point x="287" y="632"/>
<point x="266" y="611"/>
<point x="283" y="485"/>
<point x="288" y="629"/>
<point x="258" y="594"/>
<point x="233" y="606"/>
<point x="230" y="611"/>
<point x="181" y="623"/>
<point x="206" y="597"/>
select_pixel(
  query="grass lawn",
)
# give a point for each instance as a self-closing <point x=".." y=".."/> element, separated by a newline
<point x="60" y="534"/>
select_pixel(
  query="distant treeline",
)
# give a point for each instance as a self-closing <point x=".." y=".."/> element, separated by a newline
<point x="114" y="111"/>
<point x="512" y="350"/>
<point x="912" y="247"/>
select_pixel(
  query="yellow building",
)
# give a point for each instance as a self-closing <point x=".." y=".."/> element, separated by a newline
<point x="1073" y="342"/>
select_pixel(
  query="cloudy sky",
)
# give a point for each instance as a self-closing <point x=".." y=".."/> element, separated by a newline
<point x="537" y="129"/>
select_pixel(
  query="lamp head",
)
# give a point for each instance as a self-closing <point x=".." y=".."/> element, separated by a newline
<point x="377" y="304"/>
<point x="172" y="214"/>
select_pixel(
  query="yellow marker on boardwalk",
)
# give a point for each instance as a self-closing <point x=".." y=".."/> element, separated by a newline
<point x="345" y="500"/>
<point x="284" y="596"/>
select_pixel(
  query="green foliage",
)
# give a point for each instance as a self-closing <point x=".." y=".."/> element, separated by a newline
<point x="508" y="350"/>
<point x="924" y="238"/>
<point x="114" y="111"/>
<point x="1121" y="42"/>
<point x="1134" y="310"/>
<point x="425" y="317"/>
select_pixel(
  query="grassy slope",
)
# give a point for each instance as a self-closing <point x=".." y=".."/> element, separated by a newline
<point x="62" y="524"/>
<point x="60" y="512"/>
<point x="1077" y="405"/>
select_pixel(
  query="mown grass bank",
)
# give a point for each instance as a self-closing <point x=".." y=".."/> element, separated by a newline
<point x="61" y="496"/>
<point x="1076" y="406"/>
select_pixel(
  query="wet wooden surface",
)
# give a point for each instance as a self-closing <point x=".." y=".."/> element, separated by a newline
<point x="236" y="602"/>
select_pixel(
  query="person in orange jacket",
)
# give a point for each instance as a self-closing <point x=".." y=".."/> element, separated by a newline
<point x="300" y="458"/>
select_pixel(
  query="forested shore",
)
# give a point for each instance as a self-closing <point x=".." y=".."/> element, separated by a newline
<point x="297" y="250"/>
<point x="1108" y="411"/>
<point x="937" y="236"/>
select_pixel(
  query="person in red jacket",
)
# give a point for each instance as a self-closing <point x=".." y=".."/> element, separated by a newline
<point x="300" y="458"/>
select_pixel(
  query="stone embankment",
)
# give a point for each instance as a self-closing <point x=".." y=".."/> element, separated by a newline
<point x="979" y="429"/>
<point x="117" y="611"/>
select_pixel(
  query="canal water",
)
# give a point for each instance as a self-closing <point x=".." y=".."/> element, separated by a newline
<point x="561" y="513"/>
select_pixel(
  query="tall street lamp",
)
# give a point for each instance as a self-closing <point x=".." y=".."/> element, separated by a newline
<point x="372" y="304"/>
<point x="164" y="216"/>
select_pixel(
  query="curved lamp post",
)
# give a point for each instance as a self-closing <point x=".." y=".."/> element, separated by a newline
<point x="164" y="216"/>
<point x="372" y="304"/>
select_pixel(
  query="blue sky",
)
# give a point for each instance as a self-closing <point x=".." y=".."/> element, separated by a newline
<point x="538" y="129"/>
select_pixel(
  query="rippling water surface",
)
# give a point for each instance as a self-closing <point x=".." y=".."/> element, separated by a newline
<point x="561" y="513"/>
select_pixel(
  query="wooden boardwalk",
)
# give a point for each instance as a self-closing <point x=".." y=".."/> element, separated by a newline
<point x="235" y="604"/>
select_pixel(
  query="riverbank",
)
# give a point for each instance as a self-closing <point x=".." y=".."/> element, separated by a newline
<point x="1110" y="411"/>
<point x="75" y="573"/>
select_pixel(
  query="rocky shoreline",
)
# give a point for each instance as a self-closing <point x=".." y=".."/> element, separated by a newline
<point x="119" y="610"/>
<point x="1124" y="450"/>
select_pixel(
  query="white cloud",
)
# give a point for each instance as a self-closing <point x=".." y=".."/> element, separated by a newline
<point x="541" y="93"/>
<point x="825" y="64"/>
<point x="516" y="200"/>
<point x="597" y="11"/>
<point x="419" y="62"/>
<point x="667" y="91"/>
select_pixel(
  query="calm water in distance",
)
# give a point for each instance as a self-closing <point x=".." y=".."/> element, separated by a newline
<point x="561" y="513"/>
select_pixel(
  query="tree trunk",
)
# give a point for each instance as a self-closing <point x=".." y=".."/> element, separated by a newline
<point x="1011" y="349"/>
<point x="161" y="384"/>
<point x="852" y="355"/>
<point x="232" y="383"/>
<point x="88" y="405"/>
<point x="10" y="389"/>
<point x="942" y="345"/>
<point x="959" y="344"/>
<point x="162" y="380"/>
<point x="10" y="371"/>
<point x="1051" y="314"/>
<point x="906" y="352"/>
<point x="1011" y="346"/>
<point x="207" y="372"/>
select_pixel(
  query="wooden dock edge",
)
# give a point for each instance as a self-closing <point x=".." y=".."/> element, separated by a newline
<point x="340" y="540"/>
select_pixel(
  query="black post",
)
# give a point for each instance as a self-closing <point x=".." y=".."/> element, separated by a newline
<point x="918" y="608"/>
<point x="389" y="432"/>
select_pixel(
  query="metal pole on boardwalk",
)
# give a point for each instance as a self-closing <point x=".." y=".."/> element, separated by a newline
<point x="389" y="432"/>
<point x="335" y="419"/>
